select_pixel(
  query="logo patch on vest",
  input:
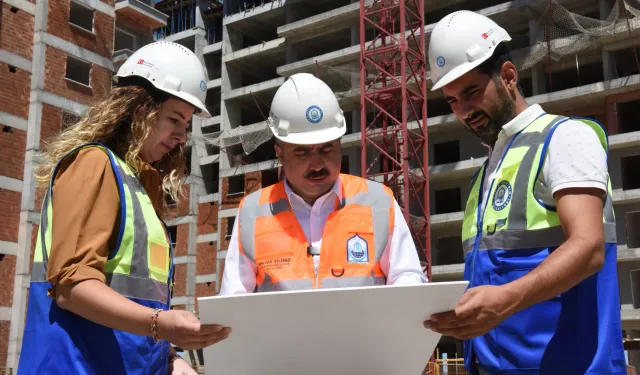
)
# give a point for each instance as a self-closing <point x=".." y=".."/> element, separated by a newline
<point x="502" y="195"/>
<point x="357" y="250"/>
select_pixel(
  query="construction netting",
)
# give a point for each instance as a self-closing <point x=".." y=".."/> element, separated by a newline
<point x="558" y="33"/>
<point x="562" y="33"/>
<point x="250" y="137"/>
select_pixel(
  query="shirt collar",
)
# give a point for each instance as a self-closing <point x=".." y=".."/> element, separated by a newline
<point x="335" y="189"/>
<point x="521" y="121"/>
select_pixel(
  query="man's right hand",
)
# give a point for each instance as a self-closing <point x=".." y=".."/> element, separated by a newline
<point x="184" y="330"/>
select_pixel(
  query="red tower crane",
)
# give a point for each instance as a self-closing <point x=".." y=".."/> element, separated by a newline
<point x="394" y="109"/>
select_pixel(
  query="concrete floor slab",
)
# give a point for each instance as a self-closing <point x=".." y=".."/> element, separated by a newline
<point x="272" y="48"/>
<point x="321" y="24"/>
<point x="270" y="85"/>
<point x="212" y="48"/>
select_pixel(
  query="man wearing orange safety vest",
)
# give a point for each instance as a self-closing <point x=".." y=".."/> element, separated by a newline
<point x="317" y="228"/>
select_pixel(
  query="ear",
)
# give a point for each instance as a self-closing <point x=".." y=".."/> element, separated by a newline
<point x="278" y="151"/>
<point x="509" y="76"/>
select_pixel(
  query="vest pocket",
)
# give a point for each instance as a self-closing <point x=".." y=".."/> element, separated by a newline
<point x="359" y="243"/>
<point x="521" y="340"/>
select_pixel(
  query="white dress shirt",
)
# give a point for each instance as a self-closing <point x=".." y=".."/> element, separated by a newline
<point x="575" y="157"/>
<point x="399" y="262"/>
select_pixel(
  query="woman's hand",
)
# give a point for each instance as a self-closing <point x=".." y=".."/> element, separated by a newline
<point x="180" y="367"/>
<point x="97" y="302"/>
<point x="183" y="329"/>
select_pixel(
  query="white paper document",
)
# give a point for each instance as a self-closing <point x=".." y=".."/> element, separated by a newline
<point x="356" y="331"/>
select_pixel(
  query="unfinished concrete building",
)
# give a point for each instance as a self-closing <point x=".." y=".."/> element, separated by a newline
<point x="249" y="48"/>
<point x="586" y="67"/>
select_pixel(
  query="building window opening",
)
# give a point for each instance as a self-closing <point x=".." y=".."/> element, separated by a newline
<point x="78" y="71"/>
<point x="81" y="16"/>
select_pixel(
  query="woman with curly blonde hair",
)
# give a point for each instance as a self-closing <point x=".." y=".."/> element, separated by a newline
<point x="99" y="300"/>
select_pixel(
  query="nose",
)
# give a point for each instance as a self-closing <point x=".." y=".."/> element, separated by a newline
<point x="316" y="163"/>
<point x="181" y="135"/>
<point x="466" y="109"/>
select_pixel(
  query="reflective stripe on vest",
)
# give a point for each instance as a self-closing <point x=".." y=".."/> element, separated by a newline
<point x="376" y="199"/>
<point x="141" y="266"/>
<point x="526" y="222"/>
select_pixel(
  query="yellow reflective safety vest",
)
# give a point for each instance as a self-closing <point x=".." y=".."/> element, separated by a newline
<point x="577" y="332"/>
<point x="139" y="268"/>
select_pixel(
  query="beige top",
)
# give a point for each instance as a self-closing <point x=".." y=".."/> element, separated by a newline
<point x="86" y="216"/>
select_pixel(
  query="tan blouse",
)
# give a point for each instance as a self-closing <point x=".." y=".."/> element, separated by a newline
<point x="86" y="216"/>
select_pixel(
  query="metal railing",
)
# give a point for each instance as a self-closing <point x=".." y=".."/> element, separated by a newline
<point x="447" y="367"/>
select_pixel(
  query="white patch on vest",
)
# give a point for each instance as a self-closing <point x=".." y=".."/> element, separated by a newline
<point x="502" y="195"/>
<point x="357" y="250"/>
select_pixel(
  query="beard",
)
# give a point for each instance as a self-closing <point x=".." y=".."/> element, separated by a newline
<point x="498" y="116"/>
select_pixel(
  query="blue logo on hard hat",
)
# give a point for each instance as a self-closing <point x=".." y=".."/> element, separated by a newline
<point x="203" y="86"/>
<point x="440" y="61"/>
<point x="314" y="114"/>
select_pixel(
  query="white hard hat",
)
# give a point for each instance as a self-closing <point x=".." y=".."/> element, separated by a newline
<point x="305" y="111"/>
<point x="171" y="68"/>
<point x="459" y="43"/>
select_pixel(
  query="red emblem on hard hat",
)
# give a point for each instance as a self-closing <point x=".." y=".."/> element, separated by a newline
<point x="485" y="36"/>
<point x="140" y="62"/>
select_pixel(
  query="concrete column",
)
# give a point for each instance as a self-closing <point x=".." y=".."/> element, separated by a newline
<point x="199" y="20"/>
<point x="608" y="63"/>
<point x="27" y="216"/>
<point x="355" y="31"/>
<point x="229" y="112"/>
<point x="196" y="188"/>
<point x="538" y="74"/>
<point x="354" y="160"/>
<point x="290" y="50"/>
<point x="356" y="117"/>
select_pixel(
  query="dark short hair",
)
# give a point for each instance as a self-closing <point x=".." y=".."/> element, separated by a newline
<point x="493" y="65"/>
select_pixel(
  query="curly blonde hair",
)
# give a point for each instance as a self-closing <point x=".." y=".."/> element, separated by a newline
<point x="122" y="122"/>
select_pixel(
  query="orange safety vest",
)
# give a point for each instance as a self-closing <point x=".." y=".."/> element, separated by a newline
<point x="354" y="239"/>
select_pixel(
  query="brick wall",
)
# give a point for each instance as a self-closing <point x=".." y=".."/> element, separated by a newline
<point x="51" y="124"/>
<point x="252" y="182"/>
<point x="183" y="204"/>
<point x="55" y="82"/>
<point x="205" y="290"/>
<point x="14" y="95"/>
<point x="7" y="267"/>
<point x="100" y="41"/>
<point x="134" y="25"/>
<point x="4" y="341"/>
<point x="224" y="224"/>
<point x="12" y="148"/>
<point x="220" y="271"/>
<point x="207" y="218"/>
<point x="10" y="204"/>
<point x="180" y="281"/>
<point x="16" y="32"/>
<point x="206" y="258"/>
<point x="34" y="237"/>
<point x="182" y="240"/>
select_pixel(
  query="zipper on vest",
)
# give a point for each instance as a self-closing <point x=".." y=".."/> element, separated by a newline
<point x="315" y="271"/>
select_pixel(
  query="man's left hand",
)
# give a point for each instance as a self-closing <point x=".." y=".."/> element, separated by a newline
<point x="180" y="367"/>
<point x="480" y="310"/>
